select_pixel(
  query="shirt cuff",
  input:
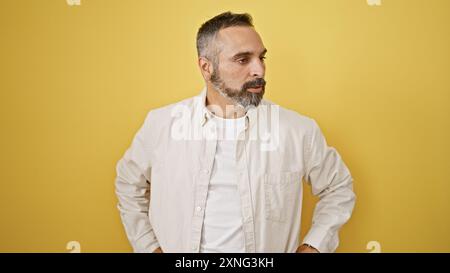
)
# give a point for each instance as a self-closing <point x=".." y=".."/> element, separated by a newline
<point x="321" y="239"/>
<point x="146" y="244"/>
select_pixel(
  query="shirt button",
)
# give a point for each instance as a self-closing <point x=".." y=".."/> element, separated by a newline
<point x="194" y="247"/>
<point x="205" y="171"/>
<point x="199" y="208"/>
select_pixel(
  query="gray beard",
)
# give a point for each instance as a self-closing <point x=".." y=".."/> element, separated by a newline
<point x="241" y="98"/>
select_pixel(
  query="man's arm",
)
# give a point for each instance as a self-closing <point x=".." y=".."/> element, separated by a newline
<point x="133" y="191"/>
<point x="332" y="182"/>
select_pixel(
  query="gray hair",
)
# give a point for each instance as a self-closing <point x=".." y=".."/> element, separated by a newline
<point x="208" y="31"/>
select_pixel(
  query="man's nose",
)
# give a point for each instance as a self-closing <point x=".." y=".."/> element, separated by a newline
<point x="258" y="69"/>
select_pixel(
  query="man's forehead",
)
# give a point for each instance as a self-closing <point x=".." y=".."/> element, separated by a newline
<point x="237" y="39"/>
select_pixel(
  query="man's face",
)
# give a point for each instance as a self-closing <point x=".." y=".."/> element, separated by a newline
<point x="239" y="69"/>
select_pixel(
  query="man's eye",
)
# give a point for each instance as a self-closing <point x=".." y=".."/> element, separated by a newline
<point x="243" y="61"/>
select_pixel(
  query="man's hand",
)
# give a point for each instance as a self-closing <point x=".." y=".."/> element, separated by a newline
<point x="158" y="250"/>
<point x="306" y="249"/>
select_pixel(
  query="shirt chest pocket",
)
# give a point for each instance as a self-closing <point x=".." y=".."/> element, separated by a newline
<point x="282" y="195"/>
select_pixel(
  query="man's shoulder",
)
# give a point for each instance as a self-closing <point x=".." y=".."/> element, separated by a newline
<point x="168" y="111"/>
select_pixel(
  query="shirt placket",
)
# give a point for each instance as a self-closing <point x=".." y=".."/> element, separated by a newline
<point x="201" y="192"/>
<point x="245" y="190"/>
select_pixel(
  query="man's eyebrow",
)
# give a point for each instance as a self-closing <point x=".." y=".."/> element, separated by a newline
<point x="247" y="53"/>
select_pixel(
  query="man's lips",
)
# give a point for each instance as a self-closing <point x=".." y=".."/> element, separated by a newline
<point x="255" y="89"/>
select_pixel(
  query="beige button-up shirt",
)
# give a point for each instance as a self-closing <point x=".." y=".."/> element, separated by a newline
<point x="162" y="180"/>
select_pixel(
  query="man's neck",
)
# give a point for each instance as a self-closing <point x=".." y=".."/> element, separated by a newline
<point x="221" y="106"/>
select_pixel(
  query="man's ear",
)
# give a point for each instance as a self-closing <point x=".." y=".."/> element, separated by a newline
<point x="206" y="67"/>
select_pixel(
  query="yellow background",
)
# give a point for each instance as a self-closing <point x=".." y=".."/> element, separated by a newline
<point x="77" y="82"/>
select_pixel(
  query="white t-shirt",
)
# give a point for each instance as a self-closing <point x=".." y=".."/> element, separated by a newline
<point x="222" y="226"/>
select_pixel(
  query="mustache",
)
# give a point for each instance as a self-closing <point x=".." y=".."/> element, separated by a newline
<point x="259" y="82"/>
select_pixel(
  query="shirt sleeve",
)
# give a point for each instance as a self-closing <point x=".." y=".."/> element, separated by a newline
<point x="332" y="182"/>
<point x="133" y="191"/>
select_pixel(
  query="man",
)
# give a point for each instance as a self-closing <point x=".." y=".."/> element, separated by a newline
<point x="222" y="171"/>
